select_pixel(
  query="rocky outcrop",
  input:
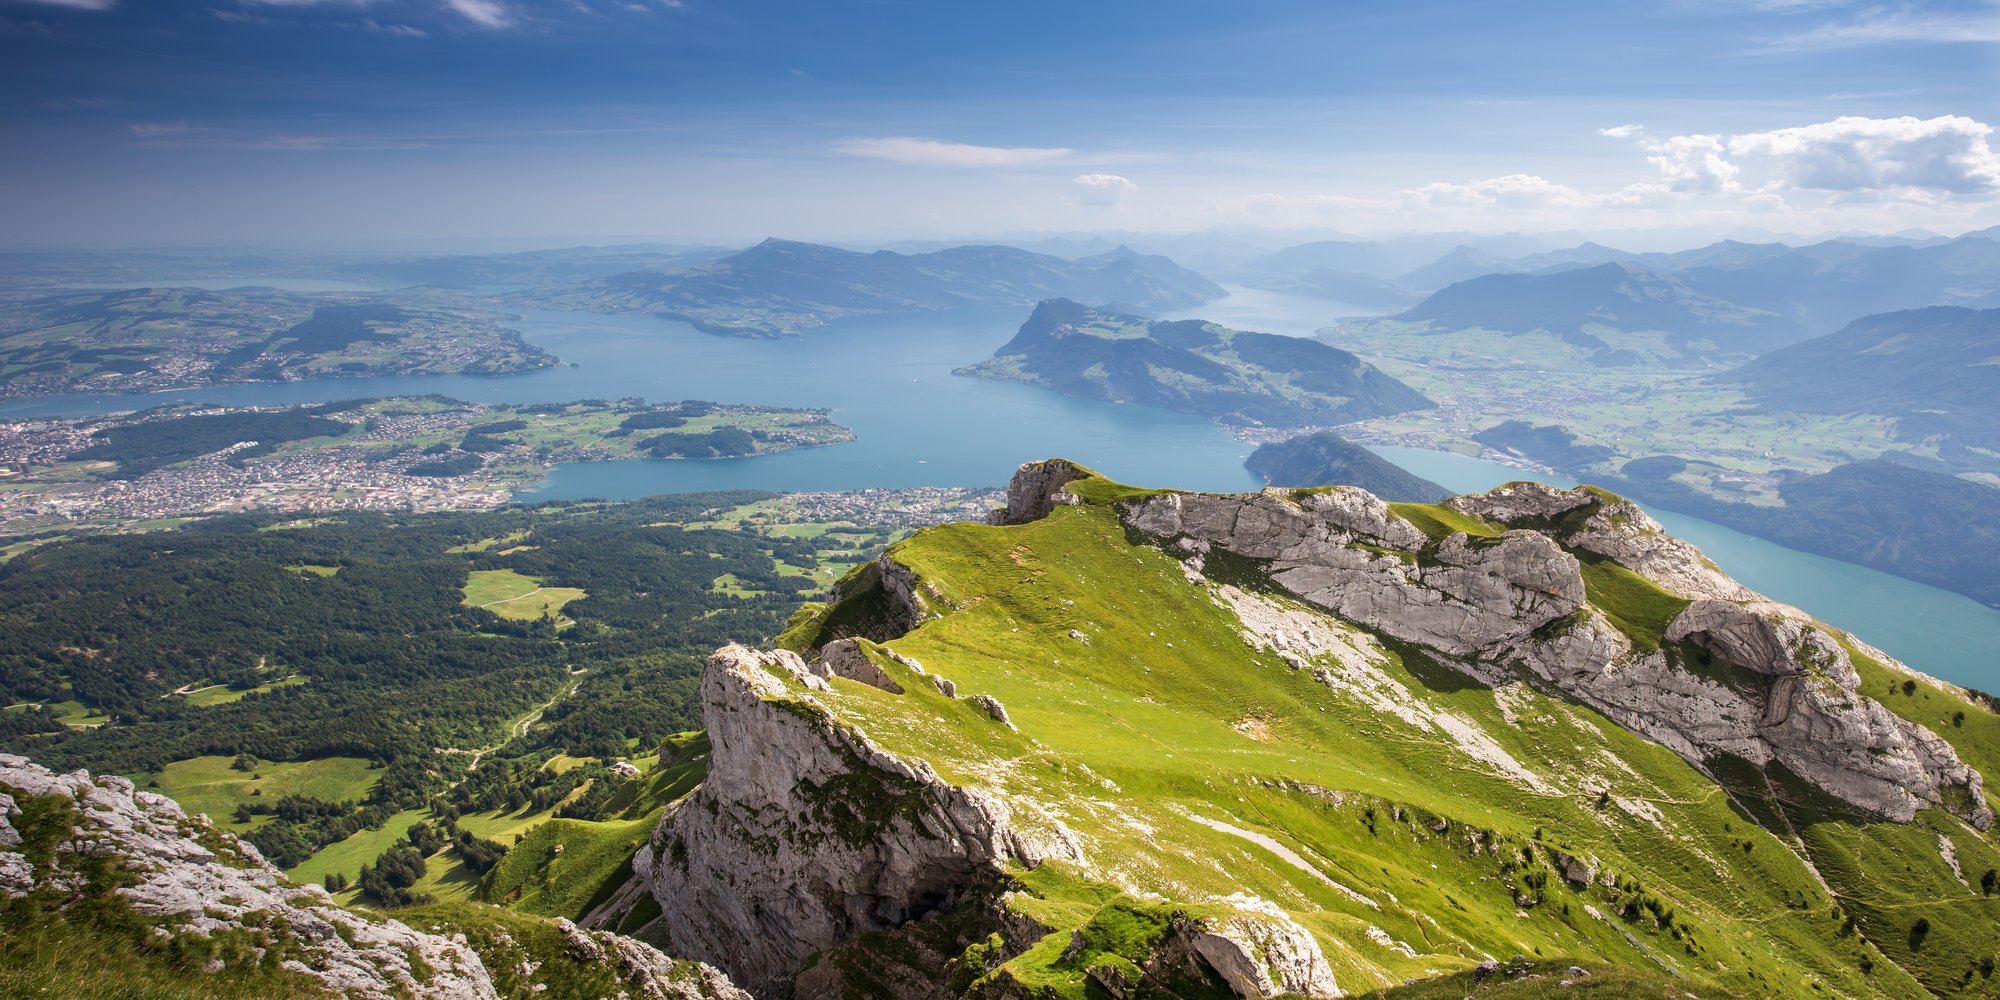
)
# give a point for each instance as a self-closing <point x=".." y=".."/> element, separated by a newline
<point x="1770" y="686"/>
<point x="650" y="973"/>
<point x="1036" y="489"/>
<point x="805" y="833"/>
<point x="1609" y="526"/>
<point x="844" y="658"/>
<point x="1259" y="952"/>
<point x="1338" y="550"/>
<point x="197" y="880"/>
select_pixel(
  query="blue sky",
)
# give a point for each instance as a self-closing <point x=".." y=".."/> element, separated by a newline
<point x="726" y="120"/>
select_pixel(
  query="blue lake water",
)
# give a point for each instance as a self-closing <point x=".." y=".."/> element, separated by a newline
<point x="889" y="378"/>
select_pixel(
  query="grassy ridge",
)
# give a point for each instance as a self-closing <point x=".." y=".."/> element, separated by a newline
<point x="1142" y="709"/>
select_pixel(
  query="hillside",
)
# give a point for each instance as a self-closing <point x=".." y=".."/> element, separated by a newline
<point x="1599" y="309"/>
<point x="1936" y="370"/>
<point x="1325" y="458"/>
<point x="147" y="339"/>
<point x="1191" y="366"/>
<point x="1136" y="742"/>
<point x="1920" y="524"/>
<point x="780" y="288"/>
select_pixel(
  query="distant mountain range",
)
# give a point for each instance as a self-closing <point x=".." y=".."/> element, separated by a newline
<point x="781" y="288"/>
<point x="1795" y="292"/>
<point x="1589" y="306"/>
<point x="1191" y="366"/>
<point x="1937" y="370"/>
<point x="1327" y="459"/>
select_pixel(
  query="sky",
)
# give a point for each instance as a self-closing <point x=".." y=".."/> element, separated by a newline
<point x="724" y="121"/>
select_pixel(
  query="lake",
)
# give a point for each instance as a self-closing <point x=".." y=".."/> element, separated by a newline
<point x="889" y="378"/>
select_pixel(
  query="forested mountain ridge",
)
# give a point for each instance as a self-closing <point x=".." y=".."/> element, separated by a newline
<point x="1236" y="377"/>
<point x="1591" y="306"/>
<point x="1936" y="370"/>
<point x="781" y="287"/>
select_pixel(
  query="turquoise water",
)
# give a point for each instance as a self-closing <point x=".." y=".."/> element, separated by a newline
<point x="890" y="380"/>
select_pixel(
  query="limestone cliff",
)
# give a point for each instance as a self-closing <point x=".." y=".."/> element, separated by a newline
<point x="1779" y="686"/>
<point x="805" y="833"/>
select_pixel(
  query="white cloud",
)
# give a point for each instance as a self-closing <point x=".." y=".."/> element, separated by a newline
<point x="1692" y="163"/>
<point x="80" y="4"/>
<point x="1883" y="26"/>
<point x="1622" y="131"/>
<point x="485" y="13"/>
<point x="1102" y="190"/>
<point x="1513" y="191"/>
<point x="937" y="153"/>
<point x="1949" y="155"/>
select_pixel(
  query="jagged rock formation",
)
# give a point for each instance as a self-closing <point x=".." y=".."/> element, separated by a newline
<point x="805" y="833"/>
<point x="1515" y="596"/>
<point x="200" y="881"/>
<point x="1036" y="489"/>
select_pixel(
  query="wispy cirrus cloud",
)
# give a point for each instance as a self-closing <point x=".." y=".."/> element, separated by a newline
<point x="939" y="153"/>
<point x="76" y="4"/>
<point x="492" y="14"/>
<point x="1892" y="25"/>
<point x="484" y="13"/>
<point x="155" y="130"/>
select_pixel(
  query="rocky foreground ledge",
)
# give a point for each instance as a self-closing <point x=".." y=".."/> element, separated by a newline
<point x="76" y="838"/>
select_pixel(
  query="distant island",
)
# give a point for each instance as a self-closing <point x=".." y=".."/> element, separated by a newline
<point x="1238" y="378"/>
<point x="782" y="288"/>
<point x="1327" y="459"/>
<point x="405" y="453"/>
<point x="153" y="339"/>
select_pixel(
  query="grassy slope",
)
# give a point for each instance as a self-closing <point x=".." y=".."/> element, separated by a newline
<point x="509" y="594"/>
<point x="563" y="867"/>
<point x="210" y="785"/>
<point x="1134" y="732"/>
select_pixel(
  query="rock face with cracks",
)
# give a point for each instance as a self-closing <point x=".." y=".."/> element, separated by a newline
<point x="805" y="833"/>
<point x="197" y="880"/>
<point x="1514" y="598"/>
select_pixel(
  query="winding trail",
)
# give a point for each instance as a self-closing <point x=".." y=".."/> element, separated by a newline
<point x="520" y="726"/>
<point x="510" y="600"/>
